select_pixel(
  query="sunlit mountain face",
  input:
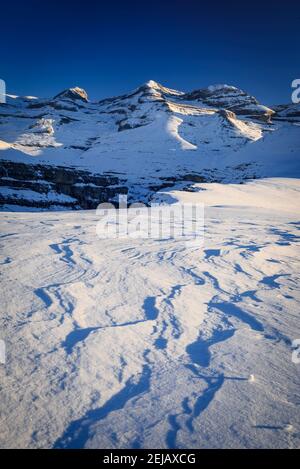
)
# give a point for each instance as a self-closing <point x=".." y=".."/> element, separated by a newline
<point x="151" y="138"/>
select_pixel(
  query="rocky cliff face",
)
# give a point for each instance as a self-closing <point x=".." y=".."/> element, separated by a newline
<point x="233" y="99"/>
<point x="54" y="187"/>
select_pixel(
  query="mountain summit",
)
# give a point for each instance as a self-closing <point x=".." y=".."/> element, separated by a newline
<point x="73" y="93"/>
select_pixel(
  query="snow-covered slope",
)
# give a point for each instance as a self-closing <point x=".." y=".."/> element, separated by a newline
<point x="128" y="343"/>
<point x="146" y="139"/>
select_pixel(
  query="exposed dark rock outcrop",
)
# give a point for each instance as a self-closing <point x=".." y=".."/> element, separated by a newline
<point x="287" y="112"/>
<point x="46" y="143"/>
<point x="231" y="98"/>
<point x="45" y="186"/>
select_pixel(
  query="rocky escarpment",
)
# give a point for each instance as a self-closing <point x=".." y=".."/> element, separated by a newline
<point x="65" y="188"/>
<point x="73" y="93"/>
<point x="55" y="187"/>
<point x="287" y="112"/>
<point x="231" y="98"/>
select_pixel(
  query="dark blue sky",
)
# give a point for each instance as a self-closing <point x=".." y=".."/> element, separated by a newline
<point x="110" y="47"/>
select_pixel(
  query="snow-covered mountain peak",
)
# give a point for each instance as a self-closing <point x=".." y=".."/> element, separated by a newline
<point x="231" y="98"/>
<point x="152" y="84"/>
<point x="73" y="93"/>
<point x="222" y="87"/>
<point x="155" y="88"/>
<point x="143" y="137"/>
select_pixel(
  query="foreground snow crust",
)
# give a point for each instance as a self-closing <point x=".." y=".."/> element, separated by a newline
<point x="155" y="344"/>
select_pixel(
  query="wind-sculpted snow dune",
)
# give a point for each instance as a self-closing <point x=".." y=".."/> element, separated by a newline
<point x="146" y="343"/>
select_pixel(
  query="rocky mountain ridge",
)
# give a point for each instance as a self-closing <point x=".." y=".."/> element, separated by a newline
<point x="147" y="140"/>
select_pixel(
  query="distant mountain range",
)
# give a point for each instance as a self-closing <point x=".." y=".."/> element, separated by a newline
<point x="68" y="152"/>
